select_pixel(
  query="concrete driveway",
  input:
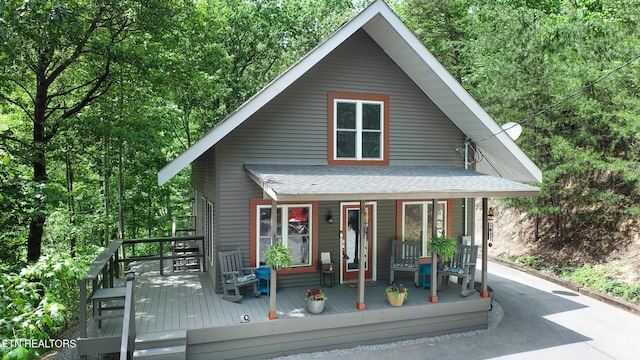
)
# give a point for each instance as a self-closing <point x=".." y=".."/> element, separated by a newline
<point x="540" y="320"/>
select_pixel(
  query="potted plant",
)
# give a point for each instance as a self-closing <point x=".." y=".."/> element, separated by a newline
<point x="278" y="256"/>
<point x="315" y="300"/>
<point x="444" y="246"/>
<point x="396" y="294"/>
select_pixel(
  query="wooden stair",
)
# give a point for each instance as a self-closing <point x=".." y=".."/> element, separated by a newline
<point x="188" y="263"/>
<point x="165" y="345"/>
<point x="185" y="226"/>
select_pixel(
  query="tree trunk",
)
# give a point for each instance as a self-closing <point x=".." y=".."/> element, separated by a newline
<point x="121" y="193"/>
<point x="72" y="209"/>
<point x="38" y="161"/>
<point x="107" y="202"/>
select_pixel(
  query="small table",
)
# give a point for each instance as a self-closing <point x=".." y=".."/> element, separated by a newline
<point x="263" y="274"/>
<point x="327" y="269"/>
<point x="425" y="275"/>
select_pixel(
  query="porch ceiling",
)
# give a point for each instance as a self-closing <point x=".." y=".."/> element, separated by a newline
<point x="299" y="182"/>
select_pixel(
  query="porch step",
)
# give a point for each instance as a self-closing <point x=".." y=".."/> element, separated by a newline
<point x="169" y="345"/>
<point x="161" y="339"/>
<point x="178" y="352"/>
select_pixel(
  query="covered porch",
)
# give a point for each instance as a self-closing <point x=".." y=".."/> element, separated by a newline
<point x="188" y="303"/>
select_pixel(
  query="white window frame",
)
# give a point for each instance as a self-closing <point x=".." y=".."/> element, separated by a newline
<point x="283" y="236"/>
<point x="359" y="130"/>
<point x="426" y="204"/>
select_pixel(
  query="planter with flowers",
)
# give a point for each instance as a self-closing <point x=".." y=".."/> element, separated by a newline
<point x="396" y="294"/>
<point x="315" y="300"/>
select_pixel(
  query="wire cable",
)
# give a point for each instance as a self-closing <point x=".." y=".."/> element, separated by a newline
<point x="568" y="97"/>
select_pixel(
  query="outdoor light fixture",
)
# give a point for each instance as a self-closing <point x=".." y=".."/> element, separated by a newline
<point x="330" y="217"/>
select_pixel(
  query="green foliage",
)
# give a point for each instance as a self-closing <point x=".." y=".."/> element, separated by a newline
<point x="278" y="256"/>
<point x="561" y="69"/>
<point x="39" y="302"/>
<point x="532" y="261"/>
<point x="599" y="280"/>
<point x="443" y="246"/>
<point x="593" y="277"/>
<point x="172" y="71"/>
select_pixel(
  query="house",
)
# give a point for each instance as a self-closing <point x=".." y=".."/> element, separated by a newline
<point x="368" y="123"/>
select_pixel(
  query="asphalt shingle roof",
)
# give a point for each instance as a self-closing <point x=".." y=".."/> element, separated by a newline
<point x="295" y="182"/>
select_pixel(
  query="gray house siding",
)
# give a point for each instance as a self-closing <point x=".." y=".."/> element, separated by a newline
<point x="292" y="129"/>
<point x="203" y="174"/>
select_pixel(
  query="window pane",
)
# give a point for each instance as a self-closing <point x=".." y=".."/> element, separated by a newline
<point x="413" y="222"/>
<point x="264" y="237"/>
<point x="346" y="144"/>
<point x="371" y="145"/>
<point x="346" y="116"/>
<point x="298" y="235"/>
<point x="371" y="116"/>
<point x="441" y="209"/>
<point x="441" y="224"/>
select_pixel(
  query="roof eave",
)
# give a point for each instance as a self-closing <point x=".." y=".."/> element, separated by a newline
<point x="272" y="195"/>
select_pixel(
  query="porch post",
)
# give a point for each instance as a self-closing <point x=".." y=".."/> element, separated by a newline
<point x="484" y="292"/>
<point x="273" y="314"/>
<point x="433" y="297"/>
<point x="363" y="233"/>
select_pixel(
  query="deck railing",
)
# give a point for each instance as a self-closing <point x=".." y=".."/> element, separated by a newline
<point x="162" y="256"/>
<point x="105" y="269"/>
<point x="101" y="275"/>
<point x="129" y="321"/>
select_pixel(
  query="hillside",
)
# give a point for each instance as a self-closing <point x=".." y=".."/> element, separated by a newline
<point x="514" y="237"/>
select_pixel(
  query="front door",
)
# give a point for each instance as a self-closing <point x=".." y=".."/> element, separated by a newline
<point x="350" y="237"/>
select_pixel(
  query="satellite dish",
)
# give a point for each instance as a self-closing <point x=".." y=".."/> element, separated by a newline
<point x="513" y="130"/>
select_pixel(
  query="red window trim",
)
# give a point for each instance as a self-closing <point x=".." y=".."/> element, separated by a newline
<point x="314" y="256"/>
<point x="330" y="135"/>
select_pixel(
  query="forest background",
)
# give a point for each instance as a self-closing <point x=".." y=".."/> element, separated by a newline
<point x="97" y="96"/>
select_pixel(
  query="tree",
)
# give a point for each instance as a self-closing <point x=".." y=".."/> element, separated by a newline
<point x="56" y="60"/>
<point x="546" y="63"/>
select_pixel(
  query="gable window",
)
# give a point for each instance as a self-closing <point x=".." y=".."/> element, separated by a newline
<point x="358" y="129"/>
<point x="297" y="234"/>
<point x="417" y="220"/>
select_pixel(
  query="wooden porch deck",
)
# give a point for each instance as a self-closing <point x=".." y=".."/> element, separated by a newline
<point x="188" y="302"/>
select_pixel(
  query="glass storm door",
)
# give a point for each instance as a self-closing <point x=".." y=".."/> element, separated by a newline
<point x="350" y="238"/>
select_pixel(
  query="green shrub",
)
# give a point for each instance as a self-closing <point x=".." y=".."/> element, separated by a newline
<point x="39" y="302"/>
<point x="597" y="279"/>
<point x="532" y="261"/>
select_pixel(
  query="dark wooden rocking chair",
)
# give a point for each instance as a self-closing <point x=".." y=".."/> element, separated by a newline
<point x="235" y="276"/>
<point x="405" y="257"/>
<point x="462" y="266"/>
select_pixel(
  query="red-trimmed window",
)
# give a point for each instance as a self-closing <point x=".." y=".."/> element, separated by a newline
<point x="299" y="232"/>
<point x="358" y="129"/>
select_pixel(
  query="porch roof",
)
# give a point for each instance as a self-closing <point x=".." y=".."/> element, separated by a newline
<point x="296" y="182"/>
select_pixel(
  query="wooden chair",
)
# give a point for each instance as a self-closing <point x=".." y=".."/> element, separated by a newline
<point x="462" y="266"/>
<point x="235" y="276"/>
<point x="405" y="256"/>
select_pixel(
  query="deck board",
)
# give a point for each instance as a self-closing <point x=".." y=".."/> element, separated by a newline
<point x="187" y="301"/>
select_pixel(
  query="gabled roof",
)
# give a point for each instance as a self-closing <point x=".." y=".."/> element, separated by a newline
<point x="501" y="156"/>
